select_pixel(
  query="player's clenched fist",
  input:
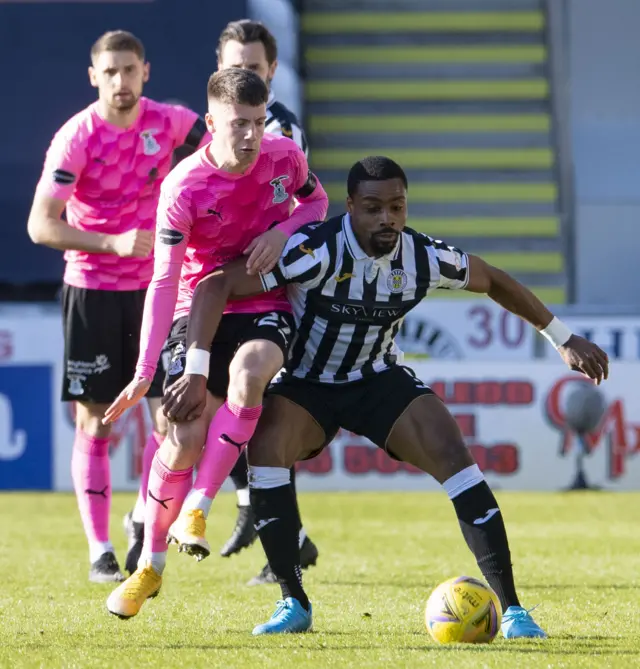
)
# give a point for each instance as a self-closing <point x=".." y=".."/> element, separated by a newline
<point x="133" y="244"/>
<point x="584" y="356"/>
<point x="264" y="251"/>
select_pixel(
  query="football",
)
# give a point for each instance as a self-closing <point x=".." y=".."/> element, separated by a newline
<point x="463" y="610"/>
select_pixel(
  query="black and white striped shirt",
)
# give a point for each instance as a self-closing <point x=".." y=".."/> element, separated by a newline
<point x="282" y="121"/>
<point x="348" y="307"/>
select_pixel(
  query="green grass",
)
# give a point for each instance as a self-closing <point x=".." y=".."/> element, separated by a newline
<point x="576" y="555"/>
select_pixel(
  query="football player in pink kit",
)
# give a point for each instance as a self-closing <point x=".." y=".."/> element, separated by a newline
<point x="105" y="166"/>
<point x="231" y="198"/>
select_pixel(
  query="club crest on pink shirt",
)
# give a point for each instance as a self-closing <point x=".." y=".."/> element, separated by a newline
<point x="150" y="146"/>
<point x="279" y="193"/>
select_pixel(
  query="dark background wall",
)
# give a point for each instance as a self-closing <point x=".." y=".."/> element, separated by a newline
<point x="44" y="55"/>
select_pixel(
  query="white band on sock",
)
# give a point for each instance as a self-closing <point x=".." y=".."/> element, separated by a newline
<point x="196" y="499"/>
<point x="243" y="496"/>
<point x="557" y="333"/>
<point x="462" y="481"/>
<point x="98" y="548"/>
<point x="197" y="362"/>
<point x="302" y="535"/>
<point x="268" y="477"/>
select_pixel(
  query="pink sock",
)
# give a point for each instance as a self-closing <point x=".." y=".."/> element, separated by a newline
<point x="91" y="476"/>
<point x="229" y="433"/>
<point x="166" y="493"/>
<point x="153" y="444"/>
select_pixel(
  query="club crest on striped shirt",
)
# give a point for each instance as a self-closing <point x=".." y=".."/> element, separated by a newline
<point x="279" y="192"/>
<point x="397" y="281"/>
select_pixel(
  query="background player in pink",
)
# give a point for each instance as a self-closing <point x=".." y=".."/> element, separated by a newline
<point x="231" y="197"/>
<point x="105" y="166"/>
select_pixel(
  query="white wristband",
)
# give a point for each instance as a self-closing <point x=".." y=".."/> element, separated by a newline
<point x="197" y="362"/>
<point x="557" y="333"/>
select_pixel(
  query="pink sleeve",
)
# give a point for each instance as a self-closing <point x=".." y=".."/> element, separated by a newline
<point x="63" y="165"/>
<point x="185" y="119"/>
<point x="173" y="228"/>
<point x="312" y="200"/>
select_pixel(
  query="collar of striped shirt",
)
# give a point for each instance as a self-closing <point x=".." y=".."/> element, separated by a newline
<point x="356" y="250"/>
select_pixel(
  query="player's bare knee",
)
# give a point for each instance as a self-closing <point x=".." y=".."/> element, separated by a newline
<point x="247" y="385"/>
<point x="89" y="420"/>
<point x="183" y="445"/>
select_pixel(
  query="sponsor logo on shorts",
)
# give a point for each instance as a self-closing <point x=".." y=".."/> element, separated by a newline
<point x="78" y="371"/>
<point x="169" y="237"/>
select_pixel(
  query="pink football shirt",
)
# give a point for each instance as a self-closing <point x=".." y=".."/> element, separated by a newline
<point x="207" y="217"/>
<point x="110" y="178"/>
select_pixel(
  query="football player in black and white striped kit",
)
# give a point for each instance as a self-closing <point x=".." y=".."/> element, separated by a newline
<point x="351" y="280"/>
<point x="249" y="45"/>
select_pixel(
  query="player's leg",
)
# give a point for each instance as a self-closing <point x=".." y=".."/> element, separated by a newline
<point x="244" y="533"/>
<point x="92" y="363"/>
<point x="262" y="342"/>
<point x="285" y="426"/>
<point x="308" y="550"/>
<point x="134" y="520"/>
<point x="170" y="480"/>
<point x="426" y="435"/>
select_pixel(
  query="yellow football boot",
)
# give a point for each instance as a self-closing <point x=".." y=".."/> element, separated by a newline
<point x="127" y="599"/>
<point x="188" y="533"/>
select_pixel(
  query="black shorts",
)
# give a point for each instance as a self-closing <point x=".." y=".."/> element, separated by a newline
<point x="101" y="343"/>
<point x="369" y="407"/>
<point x="234" y="330"/>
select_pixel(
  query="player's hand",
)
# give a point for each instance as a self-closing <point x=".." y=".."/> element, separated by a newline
<point x="264" y="251"/>
<point x="129" y="397"/>
<point x="583" y="356"/>
<point x="185" y="399"/>
<point x="133" y="244"/>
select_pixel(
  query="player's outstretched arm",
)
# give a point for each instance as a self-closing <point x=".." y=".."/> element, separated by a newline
<point x="186" y="399"/>
<point x="45" y="226"/>
<point x="578" y="353"/>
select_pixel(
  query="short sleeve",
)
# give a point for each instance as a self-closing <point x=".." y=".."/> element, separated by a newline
<point x="64" y="163"/>
<point x="301" y="262"/>
<point x="190" y="127"/>
<point x="448" y="265"/>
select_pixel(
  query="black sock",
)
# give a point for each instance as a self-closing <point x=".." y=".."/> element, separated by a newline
<point x="487" y="540"/>
<point x="292" y="474"/>
<point x="274" y="510"/>
<point x="240" y="474"/>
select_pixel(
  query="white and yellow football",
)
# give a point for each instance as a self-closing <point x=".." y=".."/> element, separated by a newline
<point x="463" y="610"/>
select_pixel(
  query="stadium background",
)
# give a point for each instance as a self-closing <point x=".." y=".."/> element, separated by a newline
<point x="519" y="129"/>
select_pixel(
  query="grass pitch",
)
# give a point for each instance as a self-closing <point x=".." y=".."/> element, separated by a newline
<point x="576" y="555"/>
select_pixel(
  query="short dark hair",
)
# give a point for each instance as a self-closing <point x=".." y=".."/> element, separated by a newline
<point x="117" y="40"/>
<point x="374" y="168"/>
<point x="237" y="86"/>
<point x="246" y="32"/>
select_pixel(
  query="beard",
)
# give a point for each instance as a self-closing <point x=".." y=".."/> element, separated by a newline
<point x="125" y="104"/>
<point x="382" y="246"/>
